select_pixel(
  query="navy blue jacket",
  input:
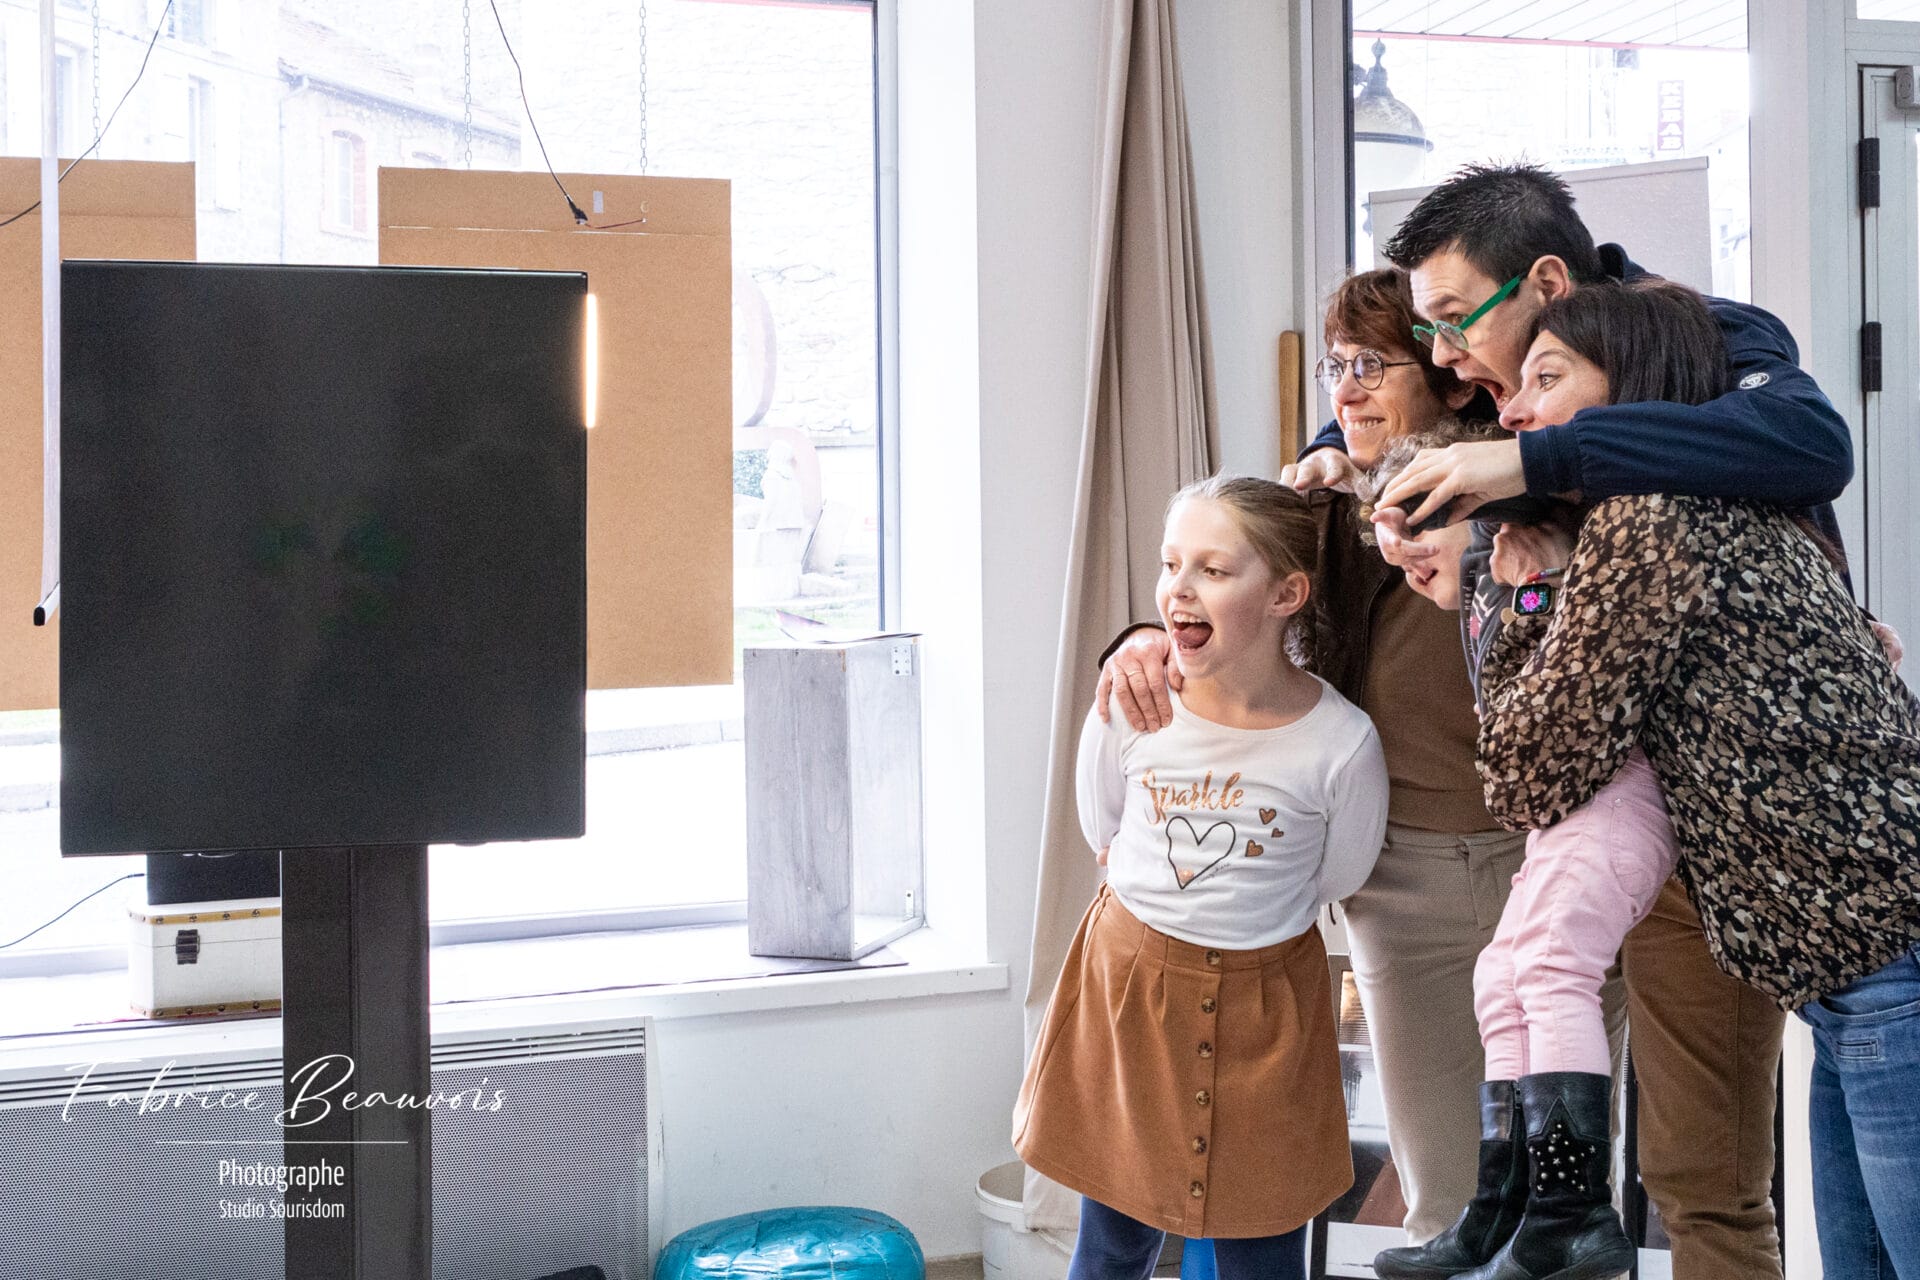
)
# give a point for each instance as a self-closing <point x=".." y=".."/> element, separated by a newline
<point x="1773" y="438"/>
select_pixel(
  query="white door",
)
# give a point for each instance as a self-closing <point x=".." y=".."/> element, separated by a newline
<point x="1889" y="466"/>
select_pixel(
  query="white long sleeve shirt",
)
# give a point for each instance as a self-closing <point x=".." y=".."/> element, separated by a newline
<point x="1229" y="837"/>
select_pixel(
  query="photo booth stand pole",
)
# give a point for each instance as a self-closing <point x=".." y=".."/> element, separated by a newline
<point x="354" y="973"/>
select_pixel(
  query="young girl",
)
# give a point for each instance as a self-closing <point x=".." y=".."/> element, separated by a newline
<point x="1586" y="881"/>
<point x="1187" y="1078"/>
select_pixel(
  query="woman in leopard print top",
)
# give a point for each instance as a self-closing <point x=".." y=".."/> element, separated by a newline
<point x="1716" y="636"/>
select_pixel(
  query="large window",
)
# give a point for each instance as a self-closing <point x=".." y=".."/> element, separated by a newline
<point x="779" y="99"/>
<point x="1575" y="86"/>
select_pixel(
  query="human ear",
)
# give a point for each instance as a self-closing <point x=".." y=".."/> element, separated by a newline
<point x="1550" y="276"/>
<point x="1290" y="594"/>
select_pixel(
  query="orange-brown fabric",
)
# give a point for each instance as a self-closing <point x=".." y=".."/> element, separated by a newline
<point x="1195" y="1090"/>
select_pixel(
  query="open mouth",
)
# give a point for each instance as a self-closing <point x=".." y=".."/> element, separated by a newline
<point x="1190" y="635"/>
<point x="1418" y="577"/>
<point x="1499" y="393"/>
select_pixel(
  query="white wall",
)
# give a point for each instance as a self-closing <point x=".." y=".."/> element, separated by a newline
<point x="1237" y="64"/>
<point x="901" y="1105"/>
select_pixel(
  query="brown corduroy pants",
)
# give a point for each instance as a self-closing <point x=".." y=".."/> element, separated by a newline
<point x="1706" y="1048"/>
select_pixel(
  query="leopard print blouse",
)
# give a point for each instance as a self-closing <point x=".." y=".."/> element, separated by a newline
<point x="1715" y="635"/>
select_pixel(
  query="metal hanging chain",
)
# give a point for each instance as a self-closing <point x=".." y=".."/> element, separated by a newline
<point x="96" y="71"/>
<point x="466" y="57"/>
<point x="643" y="86"/>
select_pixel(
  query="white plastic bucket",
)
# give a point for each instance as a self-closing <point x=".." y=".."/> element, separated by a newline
<point x="1008" y="1251"/>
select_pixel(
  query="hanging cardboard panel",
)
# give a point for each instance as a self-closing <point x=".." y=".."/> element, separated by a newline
<point x="108" y="209"/>
<point x="660" y="456"/>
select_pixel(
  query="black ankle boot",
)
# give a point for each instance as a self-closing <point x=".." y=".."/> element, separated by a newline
<point x="1493" y="1213"/>
<point x="1570" y="1231"/>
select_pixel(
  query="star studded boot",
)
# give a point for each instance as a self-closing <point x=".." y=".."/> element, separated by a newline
<point x="1569" y="1231"/>
<point x="1493" y="1213"/>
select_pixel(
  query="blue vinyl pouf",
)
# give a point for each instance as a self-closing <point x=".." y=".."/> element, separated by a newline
<point x="811" y="1243"/>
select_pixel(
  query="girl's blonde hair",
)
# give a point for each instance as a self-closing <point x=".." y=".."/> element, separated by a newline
<point x="1279" y="523"/>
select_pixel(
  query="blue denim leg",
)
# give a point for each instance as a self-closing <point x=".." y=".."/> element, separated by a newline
<point x="1263" y="1257"/>
<point x="1113" y="1246"/>
<point x="1866" y="1124"/>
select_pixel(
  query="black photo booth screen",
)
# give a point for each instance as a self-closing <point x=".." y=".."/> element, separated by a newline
<point x="323" y="556"/>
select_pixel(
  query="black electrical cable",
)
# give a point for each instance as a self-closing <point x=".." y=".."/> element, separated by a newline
<point x="131" y="875"/>
<point x="155" y="39"/>
<point x="578" y="216"/>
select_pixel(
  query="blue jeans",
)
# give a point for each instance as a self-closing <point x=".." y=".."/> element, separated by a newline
<point x="1866" y="1124"/>
<point x="1113" y="1246"/>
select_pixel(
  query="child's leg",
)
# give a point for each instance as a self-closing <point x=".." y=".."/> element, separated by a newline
<point x="1113" y="1246"/>
<point x="1197" y="1261"/>
<point x="1590" y="879"/>
<point x="1496" y="1002"/>
<point x="1263" y="1257"/>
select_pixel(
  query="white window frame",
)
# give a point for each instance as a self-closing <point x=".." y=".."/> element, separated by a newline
<point x="361" y="197"/>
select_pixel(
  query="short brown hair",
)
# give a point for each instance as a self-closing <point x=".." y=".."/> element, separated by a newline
<point x="1375" y="309"/>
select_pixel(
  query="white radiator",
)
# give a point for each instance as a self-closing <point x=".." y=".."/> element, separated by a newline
<point x="566" y="1173"/>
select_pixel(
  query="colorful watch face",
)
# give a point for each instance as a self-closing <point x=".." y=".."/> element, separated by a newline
<point x="1534" y="598"/>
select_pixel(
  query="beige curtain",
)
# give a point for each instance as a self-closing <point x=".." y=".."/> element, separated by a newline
<point x="1149" y="429"/>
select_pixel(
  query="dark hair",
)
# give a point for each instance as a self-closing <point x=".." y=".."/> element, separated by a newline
<point x="1655" y="340"/>
<point x="1504" y="218"/>
<point x="1279" y="523"/>
<point x="1375" y="309"/>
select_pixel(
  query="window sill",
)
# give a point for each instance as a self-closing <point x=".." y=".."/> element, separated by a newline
<point x="928" y="964"/>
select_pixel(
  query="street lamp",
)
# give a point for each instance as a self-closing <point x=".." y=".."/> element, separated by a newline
<point x="1389" y="146"/>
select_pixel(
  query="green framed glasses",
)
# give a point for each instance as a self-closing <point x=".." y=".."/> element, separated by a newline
<point x="1455" y="335"/>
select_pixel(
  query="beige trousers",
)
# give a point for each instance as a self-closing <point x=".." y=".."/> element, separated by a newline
<point x="1415" y="930"/>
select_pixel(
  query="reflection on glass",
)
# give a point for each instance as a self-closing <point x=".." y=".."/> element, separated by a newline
<point x="1889" y="10"/>
<point x="1584" y="99"/>
<point x="290" y="110"/>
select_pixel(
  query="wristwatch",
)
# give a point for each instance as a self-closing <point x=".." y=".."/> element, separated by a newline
<point x="1530" y="600"/>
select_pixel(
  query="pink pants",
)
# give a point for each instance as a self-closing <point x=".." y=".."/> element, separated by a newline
<point x="1585" y="883"/>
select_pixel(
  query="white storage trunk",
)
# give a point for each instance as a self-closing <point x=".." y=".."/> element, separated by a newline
<point x="189" y="959"/>
<point x="833" y="796"/>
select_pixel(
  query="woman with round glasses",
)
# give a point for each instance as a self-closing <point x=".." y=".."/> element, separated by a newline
<point x="1443" y="875"/>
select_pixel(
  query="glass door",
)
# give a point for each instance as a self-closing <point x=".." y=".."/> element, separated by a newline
<point x="1889" y="464"/>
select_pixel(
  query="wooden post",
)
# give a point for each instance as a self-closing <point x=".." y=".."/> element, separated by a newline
<point x="1291" y="441"/>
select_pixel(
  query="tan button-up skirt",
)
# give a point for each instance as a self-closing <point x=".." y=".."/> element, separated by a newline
<point x="1195" y="1090"/>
